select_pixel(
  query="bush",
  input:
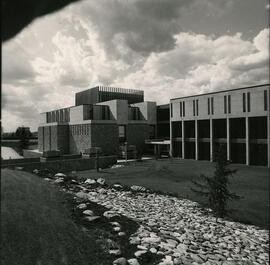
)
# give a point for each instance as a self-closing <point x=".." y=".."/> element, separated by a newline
<point x="215" y="188"/>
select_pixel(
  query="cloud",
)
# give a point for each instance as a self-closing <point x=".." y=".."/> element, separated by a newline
<point x="133" y="44"/>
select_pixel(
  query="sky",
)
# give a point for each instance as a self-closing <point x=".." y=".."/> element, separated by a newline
<point x="168" y="48"/>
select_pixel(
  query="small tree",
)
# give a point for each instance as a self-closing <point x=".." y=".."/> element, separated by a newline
<point x="215" y="188"/>
<point x="23" y="133"/>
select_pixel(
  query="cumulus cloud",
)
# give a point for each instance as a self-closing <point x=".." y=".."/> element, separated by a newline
<point x="133" y="44"/>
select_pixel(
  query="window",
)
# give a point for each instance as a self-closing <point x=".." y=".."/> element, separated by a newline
<point x="265" y="99"/>
<point x="197" y="107"/>
<point x="171" y="109"/>
<point x="229" y="103"/>
<point x="181" y="109"/>
<point x="208" y="105"/>
<point x="212" y="105"/>
<point x="244" y="102"/>
<point x="248" y="101"/>
<point x="105" y="113"/>
<point x="193" y="107"/>
<point x="135" y="113"/>
<point x="152" y="132"/>
<point x="122" y="133"/>
<point x="184" y="109"/>
<point x="225" y="104"/>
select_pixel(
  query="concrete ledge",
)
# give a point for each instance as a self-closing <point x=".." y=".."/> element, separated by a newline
<point x="62" y="165"/>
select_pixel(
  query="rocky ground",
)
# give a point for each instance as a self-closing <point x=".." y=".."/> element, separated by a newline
<point x="172" y="230"/>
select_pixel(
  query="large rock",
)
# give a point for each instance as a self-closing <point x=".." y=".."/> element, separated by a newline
<point x="101" y="181"/>
<point x="120" y="261"/>
<point x="133" y="262"/>
<point x="88" y="212"/>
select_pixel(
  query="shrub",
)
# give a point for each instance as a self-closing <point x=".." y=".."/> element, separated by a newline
<point x="215" y="188"/>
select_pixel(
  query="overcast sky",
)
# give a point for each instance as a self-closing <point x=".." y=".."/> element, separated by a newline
<point x="168" y="48"/>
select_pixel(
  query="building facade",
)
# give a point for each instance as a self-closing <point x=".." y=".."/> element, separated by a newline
<point x="102" y="117"/>
<point x="237" y="118"/>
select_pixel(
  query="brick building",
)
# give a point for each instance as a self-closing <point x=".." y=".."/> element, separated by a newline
<point x="237" y="118"/>
<point x="104" y="117"/>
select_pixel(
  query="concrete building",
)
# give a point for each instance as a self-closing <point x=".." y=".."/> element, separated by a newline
<point x="103" y="117"/>
<point x="237" y="118"/>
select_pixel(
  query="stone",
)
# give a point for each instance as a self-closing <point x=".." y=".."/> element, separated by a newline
<point x="92" y="218"/>
<point x="139" y="253"/>
<point x="138" y="188"/>
<point x="60" y="175"/>
<point x="82" y="206"/>
<point x="82" y="195"/>
<point x="90" y="181"/>
<point x="116" y="229"/>
<point x="133" y="262"/>
<point x="153" y="250"/>
<point x="59" y="180"/>
<point x="115" y="252"/>
<point x="121" y="234"/>
<point x="120" y="261"/>
<point x="36" y="171"/>
<point x="101" y="181"/>
<point x="115" y="223"/>
<point x="110" y="214"/>
<point x="88" y="212"/>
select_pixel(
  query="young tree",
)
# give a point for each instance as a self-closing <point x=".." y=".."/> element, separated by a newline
<point x="215" y="188"/>
<point x="23" y="133"/>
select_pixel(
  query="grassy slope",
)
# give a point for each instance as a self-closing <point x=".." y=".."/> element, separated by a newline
<point x="37" y="227"/>
<point x="174" y="176"/>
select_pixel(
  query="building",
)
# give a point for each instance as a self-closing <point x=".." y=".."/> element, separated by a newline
<point x="103" y="117"/>
<point x="237" y="118"/>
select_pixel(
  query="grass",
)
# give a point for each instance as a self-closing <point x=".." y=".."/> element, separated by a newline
<point x="41" y="225"/>
<point x="174" y="175"/>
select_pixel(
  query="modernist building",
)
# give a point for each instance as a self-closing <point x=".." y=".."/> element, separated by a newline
<point x="237" y="118"/>
<point x="103" y="117"/>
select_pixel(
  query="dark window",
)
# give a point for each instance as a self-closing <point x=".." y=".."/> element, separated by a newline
<point x="244" y="102"/>
<point x="208" y="105"/>
<point x="193" y="107"/>
<point x="212" y="105"/>
<point x="184" y="109"/>
<point x="248" y="101"/>
<point x="265" y="99"/>
<point x="180" y="109"/>
<point x="122" y="133"/>
<point x="171" y="109"/>
<point x="152" y="132"/>
<point x="197" y="107"/>
<point x="229" y="103"/>
<point x="225" y="104"/>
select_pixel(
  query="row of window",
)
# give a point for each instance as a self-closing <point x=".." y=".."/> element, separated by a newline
<point x="80" y="129"/>
<point x="227" y="105"/>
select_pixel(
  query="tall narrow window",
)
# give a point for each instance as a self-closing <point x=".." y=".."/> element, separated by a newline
<point x="184" y="109"/>
<point x="244" y="102"/>
<point x="229" y="103"/>
<point x="181" y="109"/>
<point x="197" y="107"/>
<point x="208" y="105"/>
<point x="171" y="109"/>
<point x="225" y="104"/>
<point x="248" y="101"/>
<point x="193" y="107"/>
<point x="212" y="105"/>
<point x="265" y="99"/>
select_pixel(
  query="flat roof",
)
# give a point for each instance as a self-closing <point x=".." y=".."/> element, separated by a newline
<point x="221" y="91"/>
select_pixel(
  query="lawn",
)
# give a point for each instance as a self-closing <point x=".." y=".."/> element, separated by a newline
<point x="174" y="176"/>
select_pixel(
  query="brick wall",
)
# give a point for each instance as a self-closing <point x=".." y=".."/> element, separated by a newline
<point x="82" y="136"/>
<point x="136" y="135"/>
<point x="53" y="137"/>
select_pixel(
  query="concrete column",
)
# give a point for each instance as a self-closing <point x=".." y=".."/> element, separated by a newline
<point x="196" y="140"/>
<point x="247" y="141"/>
<point x="183" y="139"/>
<point x="171" y="141"/>
<point x="228" y="140"/>
<point x="211" y="140"/>
<point x="268" y="125"/>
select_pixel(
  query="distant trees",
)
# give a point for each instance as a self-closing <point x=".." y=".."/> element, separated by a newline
<point x="23" y="133"/>
<point x="215" y="188"/>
